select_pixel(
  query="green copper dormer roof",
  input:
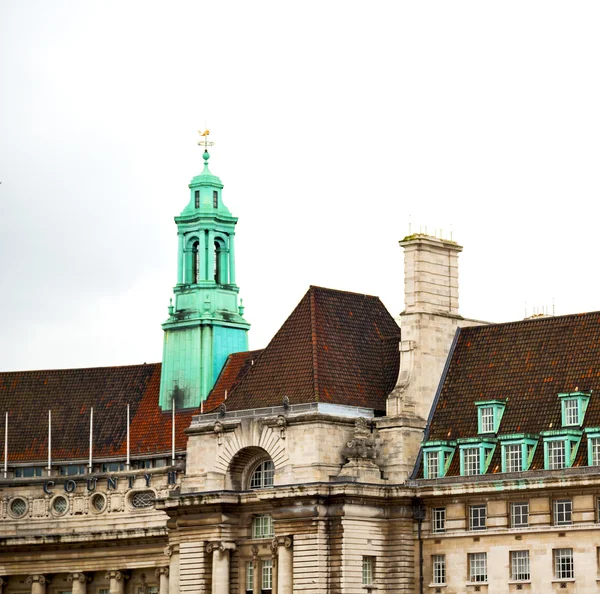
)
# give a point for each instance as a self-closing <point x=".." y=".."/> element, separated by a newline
<point x="206" y="184"/>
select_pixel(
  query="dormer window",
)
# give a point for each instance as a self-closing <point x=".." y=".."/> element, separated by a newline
<point x="489" y="414"/>
<point x="560" y="448"/>
<point x="215" y="199"/>
<point x="517" y="451"/>
<point x="573" y="407"/>
<point x="436" y="458"/>
<point x="475" y="455"/>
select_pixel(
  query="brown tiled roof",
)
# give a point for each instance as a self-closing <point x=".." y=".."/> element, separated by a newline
<point x="525" y="364"/>
<point x="336" y="347"/>
<point x="70" y="393"/>
<point x="236" y="366"/>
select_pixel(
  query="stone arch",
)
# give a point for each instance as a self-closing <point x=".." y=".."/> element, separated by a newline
<point x="246" y="446"/>
<point x="242" y="465"/>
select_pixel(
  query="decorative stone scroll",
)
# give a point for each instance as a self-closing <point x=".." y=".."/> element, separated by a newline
<point x="78" y="576"/>
<point x="282" y="424"/>
<point x="38" y="579"/>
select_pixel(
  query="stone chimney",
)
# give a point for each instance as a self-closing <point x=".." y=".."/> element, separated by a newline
<point x="430" y="275"/>
<point x="428" y="323"/>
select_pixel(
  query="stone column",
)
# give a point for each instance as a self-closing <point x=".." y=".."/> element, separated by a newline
<point x="220" y="569"/>
<point x="210" y="256"/>
<point x="256" y="571"/>
<point x="38" y="583"/>
<point x="79" y="582"/>
<point x="117" y="581"/>
<point x="162" y="574"/>
<point x="202" y="256"/>
<point x="285" y="566"/>
<point x="180" y="260"/>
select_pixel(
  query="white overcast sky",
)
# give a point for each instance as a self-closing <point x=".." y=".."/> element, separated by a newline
<point x="336" y="123"/>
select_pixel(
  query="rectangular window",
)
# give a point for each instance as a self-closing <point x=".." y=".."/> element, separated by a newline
<point x="72" y="469"/>
<point x="438" y="519"/>
<point x="215" y="199"/>
<point x="471" y="461"/>
<point x="197" y="198"/>
<point x="514" y="457"/>
<point x="519" y="566"/>
<point x="146" y="590"/>
<point x="487" y="419"/>
<point x="29" y="471"/>
<point x="478" y="567"/>
<point x="519" y="515"/>
<point x="562" y="512"/>
<point x="267" y="575"/>
<point x="433" y="464"/>
<point x="249" y="576"/>
<point x="595" y="449"/>
<point x="563" y="564"/>
<point x="438" y="563"/>
<point x="368" y="569"/>
<point x="113" y="466"/>
<point x="556" y="455"/>
<point x="262" y="527"/>
<point x="477" y="515"/>
<point x="104" y="591"/>
<point x="571" y="411"/>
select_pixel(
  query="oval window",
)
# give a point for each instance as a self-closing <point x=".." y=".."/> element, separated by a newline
<point x="98" y="502"/>
<point x="18" y="507"/>
<point x="60" y="505"/>
<point x="143" y="499"/>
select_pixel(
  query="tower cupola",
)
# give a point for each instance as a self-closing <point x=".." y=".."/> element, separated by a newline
<point x="205" y="323"/>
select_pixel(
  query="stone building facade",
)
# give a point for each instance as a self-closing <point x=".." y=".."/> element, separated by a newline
<point x="354" y="453"/>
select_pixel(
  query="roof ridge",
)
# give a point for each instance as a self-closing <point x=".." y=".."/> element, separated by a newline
<point x="62" y="370"/>
<point x="527" y="321"/>
<point x="313" y="340"/>
<point x="342" y="291"/>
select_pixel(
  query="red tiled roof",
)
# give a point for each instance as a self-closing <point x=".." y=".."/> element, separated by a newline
<point x="525" y="364"/>
<point x="336" y="347"/>
<point x="236" y="366"/>
<point x="70" y="393"/>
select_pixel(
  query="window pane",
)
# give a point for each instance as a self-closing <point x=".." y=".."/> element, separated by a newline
<point x="439" y="569"/>
<point x="477" y="515"/>
<point x="433" y="465"/>
<point x="249" y="576"/>
<point x="519" y="565"/>
<point x="487" y="419"/>
<point x="556" y="455"/>
<point x="595" y="444"/>
<point x="262" y="527"/>
<point x="367" y="570"/>
<point x="514" y="458"/>
<point x="471" y="461"/>
<point x="519" y="514"/>
<point x="438" y="519"/>
<point x="267" y="574"/>
<point x="478" y="567"/>
<point x="563" y="564"/>
<point x="571" y="412"/>
<point x="562" y="511"/>
<point x="263" y="475"/>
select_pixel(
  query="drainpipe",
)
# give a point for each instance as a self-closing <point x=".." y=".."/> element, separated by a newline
<point x="419" y="514"/>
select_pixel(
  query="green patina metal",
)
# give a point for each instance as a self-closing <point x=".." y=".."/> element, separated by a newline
<point x="205" y="323"/>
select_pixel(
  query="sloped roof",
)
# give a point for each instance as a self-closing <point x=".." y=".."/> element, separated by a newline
<point x="336" y="347"/>
<point x="69" y="394"/>
<point x="526" y="365"/>
<point x="236" y="366"/>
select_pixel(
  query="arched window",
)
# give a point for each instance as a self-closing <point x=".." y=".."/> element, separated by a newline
<point x="195" y="263"/>
<point x="262" y="475"/>
<point x="220" y="262"/>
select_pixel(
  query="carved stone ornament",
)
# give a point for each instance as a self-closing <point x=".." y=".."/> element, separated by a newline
<point x="161" y="571"/>
<point x="116" y="575"/>
<point x="168" y="550"/>
<point x="255" y="551"/>
<point x="78" y="577"/>
<point x="282" y="424"/>
<point x="209" y="548"/>
<point x="362" y="445"/>
<point x="40" y="579"/>
<point x="275" y="544"/>
<point x="218" y="429"/>
<point x="286" y="402"/>
<point x="287" y="542"/>
<point x="222" y="409"/>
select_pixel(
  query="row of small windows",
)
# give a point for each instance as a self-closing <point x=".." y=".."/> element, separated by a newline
<point x="76" y="469"/>
<point x="517" y="450"/>
<point x="197" y="198"/>
<point x="562" y="510"/>
<point x="564" y="568"/>
<point x="60" y="505"/>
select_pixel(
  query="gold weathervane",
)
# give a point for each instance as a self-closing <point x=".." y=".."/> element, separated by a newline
<point x="204" y="139"/>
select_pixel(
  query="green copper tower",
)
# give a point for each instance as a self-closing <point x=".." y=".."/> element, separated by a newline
<point x="205" y="324"/>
